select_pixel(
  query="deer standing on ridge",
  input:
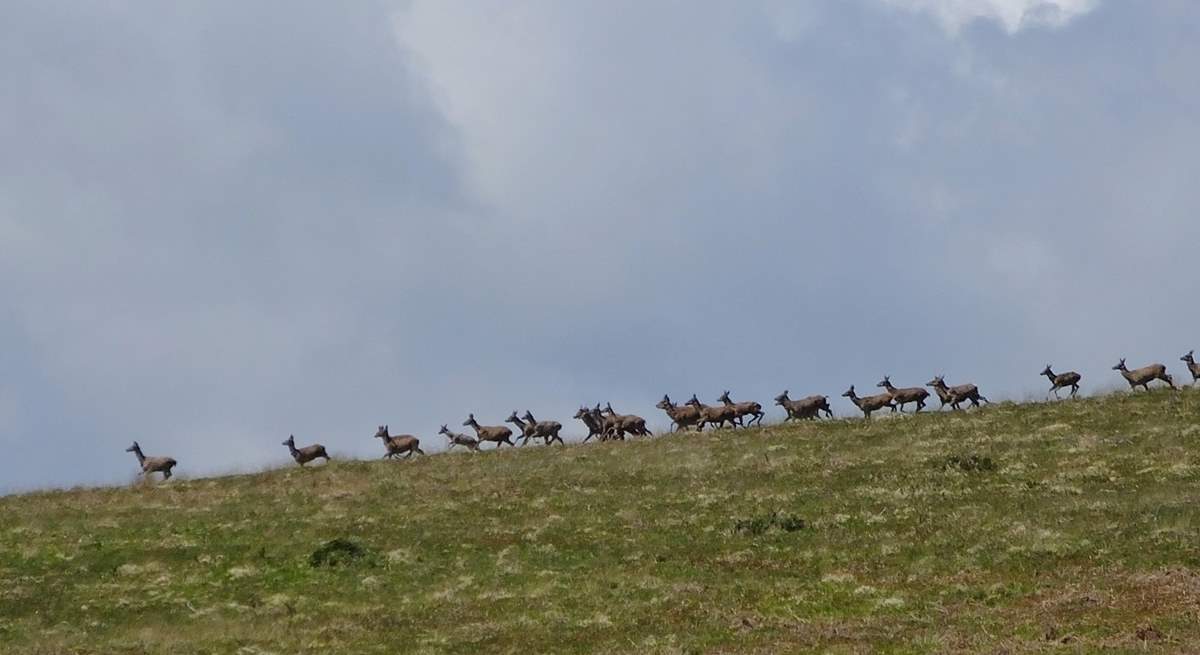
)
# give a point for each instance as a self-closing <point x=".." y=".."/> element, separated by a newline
<point x="1193" y="367"/>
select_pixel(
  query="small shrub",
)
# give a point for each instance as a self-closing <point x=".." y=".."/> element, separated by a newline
<point x="969" y="463"/>
<point x="338" y="552"/>
<point x="762" y="524"/>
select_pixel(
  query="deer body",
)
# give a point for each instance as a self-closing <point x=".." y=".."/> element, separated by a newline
<point x="497" y="434"/>
<point x="459" y="439"/>
<point x="400" y="444"/>
<point x="681" y="416"/>
<point x="955" y="395"/>
<point x="306" y="454"/>
<point x="870" y="403"/>
<point x="716" y="415"/>
<point x="152" y="464"/>
<point x="806" y="408"/>
<point x="623" y="423"/>
<point x="526" y="429"/>
<point x="902" y="397"/>
<point x="1062" y="380"/>
<point x="748" y="408"/>
<point x="1142" y="377"/>
<point x="594" y="426"/>
<point x="545" y="430"/>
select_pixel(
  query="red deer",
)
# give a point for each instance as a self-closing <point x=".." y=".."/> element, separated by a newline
<point x="870" y="403"/>
<point x="306" y="454"/>
<point x="681" y="416"/>
<point x="545" y="430"/>
<point x="715" y="415"/>
<point x="1062" y="381"/>
<point x="622" y="423"/>
<point x="748" y="408"/>
<point x="400" y="444"/>
<point x="955" y="395"/>
<point x="1142" y="377"/>
<point x="460" y="439"/>
<point x="904" y="396"/>
<point x="497" y="434"/>
<point x="1193" y="367"/>
<point x="152" y="464"/>
<point x="804" y="408"/>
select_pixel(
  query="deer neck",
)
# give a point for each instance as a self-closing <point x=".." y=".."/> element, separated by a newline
<point x="137" y="452"/>
<point x="292" y="448"/>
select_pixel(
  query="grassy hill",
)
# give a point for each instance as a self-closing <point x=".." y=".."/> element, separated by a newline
<point x="1069" y="526"/>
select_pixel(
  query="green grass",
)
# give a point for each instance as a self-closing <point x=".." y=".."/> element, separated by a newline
<point x="1060" y="527"/>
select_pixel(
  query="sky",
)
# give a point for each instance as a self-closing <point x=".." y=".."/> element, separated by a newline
<point x="222" y="223"/>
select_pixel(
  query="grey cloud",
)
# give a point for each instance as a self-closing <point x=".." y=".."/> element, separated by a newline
<point x="225" y="223"/>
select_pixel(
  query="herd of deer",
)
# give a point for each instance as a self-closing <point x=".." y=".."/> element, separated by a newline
<point x="606" y="424"/>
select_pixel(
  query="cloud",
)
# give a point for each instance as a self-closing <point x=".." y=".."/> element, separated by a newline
<point x="224" y="224"/>
<point x="1013" y="15"/>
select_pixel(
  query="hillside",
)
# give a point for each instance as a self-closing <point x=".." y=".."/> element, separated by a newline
<point x="1016" y="528"/>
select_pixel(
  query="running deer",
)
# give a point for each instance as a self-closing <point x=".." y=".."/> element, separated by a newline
<point x="595" y="428"/>
<point x="609" y="428"/>
<point x="306" y="454"/>
<point x="1062" y="381"/>
<point x="152" y="464"/>
<point x="399" y="444"/>
<point x="748" y="408"/>
<point x="631" y="423"/>
<point x="804" y="408"/>
<point x="460" y="439"/>
<point x="716" y="415"/>
<point x="497" y="434"/>
<point x="1193" y="367"/>
<point x="870" y="403"/>
<point x="955" y="395"/>
<point x="525" y="428"/>
<point x="904" y="396"/>
<point x="546" y="430"/>
<point x="1142" y="377"/>
<point x="684" y="416"/>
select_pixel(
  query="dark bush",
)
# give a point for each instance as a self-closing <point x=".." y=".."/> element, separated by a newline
<point x="969" y="463"/>
<point x="339" y="552"/>
<point x="764" y="523"/>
